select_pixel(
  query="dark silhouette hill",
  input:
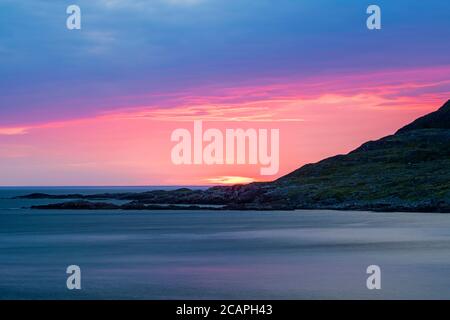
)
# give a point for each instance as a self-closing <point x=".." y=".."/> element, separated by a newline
<point x="439" y="119"/>
<point x="409" y="170"/>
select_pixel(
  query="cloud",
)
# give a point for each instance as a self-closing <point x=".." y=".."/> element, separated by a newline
<point x="184" y="2"/>
<point x="11" y="131"/>
<point x="284" y="101"/>
<point x="99" y="42"/>
<point x="141" y="4"/>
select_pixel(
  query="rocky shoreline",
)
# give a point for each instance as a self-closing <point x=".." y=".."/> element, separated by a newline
<point x="209" y="200"/>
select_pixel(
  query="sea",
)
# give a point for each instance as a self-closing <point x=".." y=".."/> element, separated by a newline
<point x="303" y="254"/>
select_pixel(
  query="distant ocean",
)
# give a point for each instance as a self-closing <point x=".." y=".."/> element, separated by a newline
<point x="218" y="254"/>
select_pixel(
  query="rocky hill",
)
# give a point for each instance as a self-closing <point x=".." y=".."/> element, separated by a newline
<point x="409" y="170"/>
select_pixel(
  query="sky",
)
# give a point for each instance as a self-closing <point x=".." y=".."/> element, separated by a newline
<point x="97" y="106"/>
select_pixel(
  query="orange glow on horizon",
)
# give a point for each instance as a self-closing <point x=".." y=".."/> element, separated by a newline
<point x="227" y="180"/>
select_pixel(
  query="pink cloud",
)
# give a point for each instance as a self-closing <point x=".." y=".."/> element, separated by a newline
<point x="317" y="117"/>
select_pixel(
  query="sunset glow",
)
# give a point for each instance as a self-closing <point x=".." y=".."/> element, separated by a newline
<point x="230" y="180"/>
<point x="102" y="112"/>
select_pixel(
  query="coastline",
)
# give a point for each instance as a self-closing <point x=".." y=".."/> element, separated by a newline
<point x="82" y="204"/>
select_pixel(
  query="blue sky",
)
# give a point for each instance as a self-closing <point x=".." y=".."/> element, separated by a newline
<point x="144" y="49"/>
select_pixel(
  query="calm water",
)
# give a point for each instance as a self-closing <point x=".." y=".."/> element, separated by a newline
<point x="219" y="255"/>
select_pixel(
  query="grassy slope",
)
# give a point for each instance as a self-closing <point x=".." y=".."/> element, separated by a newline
<point x="409" y="169"/>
